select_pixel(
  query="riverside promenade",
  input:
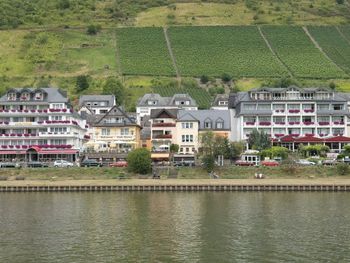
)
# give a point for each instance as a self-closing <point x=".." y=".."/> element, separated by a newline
<point x="320" y="184"/>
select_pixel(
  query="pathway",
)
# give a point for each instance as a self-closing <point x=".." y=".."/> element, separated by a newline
<point x="171" y="53"/>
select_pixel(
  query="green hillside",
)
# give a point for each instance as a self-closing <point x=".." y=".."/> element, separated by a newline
<point x="166" y="45"/>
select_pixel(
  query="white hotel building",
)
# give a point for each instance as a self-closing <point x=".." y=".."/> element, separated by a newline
<point x="39" y="124"/>
<point x="294" y="112"/>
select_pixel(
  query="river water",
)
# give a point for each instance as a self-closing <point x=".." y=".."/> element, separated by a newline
<point x="174" y="227"/>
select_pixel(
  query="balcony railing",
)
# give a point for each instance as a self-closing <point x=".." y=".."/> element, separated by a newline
<point x="28" y="111"/>
<point x="162" y="136"/>
<point x="309" y="110"/>
<point x="46" y="146"/>
<point x="265" y="123"/>
<point x="251" y="123"/>
<point x="163" y="125"/>
<point x="307" y="123"/>
<point x="294" y="122"/>
<point x="323" y="123"/>
<point x="279" y="123"/>
<point x="294" y="111"/>
<point x="338" y="123"/>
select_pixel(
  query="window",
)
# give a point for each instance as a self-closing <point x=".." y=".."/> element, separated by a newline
<point x="223" y="103"/>
<point x="106" y="132"/>
<point x="219" y="125"/>
<point x="11" y="96"/>
<point x="103" y="111"/>
<point x="249" y="106"/>
<point x="338" y="106"/>
<point x="207" y="124"/>
<point x="323" y="106"/>
<point x="152" y="102"/>
<point x="56" y="118"/>
<point x="124" y="131"/>
<point x="187" y="125"/>
<point x="187" y="138"/>
<point x="57" y="106"/>
<point x="264" y="106"/>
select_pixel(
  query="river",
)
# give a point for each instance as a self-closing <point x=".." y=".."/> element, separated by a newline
<point x="174" y="227"/>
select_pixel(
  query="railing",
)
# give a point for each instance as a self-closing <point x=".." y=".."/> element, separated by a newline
<point x="162" y="136"/>
<point x="37" y="111"/>
<point x="46" y="146"/>
<point x="163" y="125"/>
<point x="117" y="137"/>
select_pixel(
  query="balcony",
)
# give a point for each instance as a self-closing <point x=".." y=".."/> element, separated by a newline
<point x="338" y="123"/>
<point x="294" y="111"/>
<point x="308" y="123"/>
<point x="162" y="136"/>
<point x="164" y="124"/>
<point x="21" y="112"/>
<point x="279" y="134"/>
<point x="250" y="123"/>
<point x="279" y="123"/>
<point x="294" y="122"/>
<point x="47" y="146"/>
<point x="309" y="111"/>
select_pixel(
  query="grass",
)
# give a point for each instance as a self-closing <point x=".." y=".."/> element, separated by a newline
<point x="143" y="51"/>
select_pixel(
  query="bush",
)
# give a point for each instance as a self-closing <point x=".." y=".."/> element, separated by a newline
<point x="289" y="167"/>
<point x="208" y="162"/>
<point x="226" y="77"/>
<point x="204" y="79"/>
<point x="82" y="83"/>
<point x="139" y="161"/>
<point x="342" y="169"/>
<point x="93" y="29"/>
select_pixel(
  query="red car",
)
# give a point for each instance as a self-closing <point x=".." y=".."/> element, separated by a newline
<point x="270" y="163"/>
<point x="244" y="163"/>
<point x="119" y="164"/>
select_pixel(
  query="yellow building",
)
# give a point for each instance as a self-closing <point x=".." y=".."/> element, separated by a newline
<point x="115" y="131"/>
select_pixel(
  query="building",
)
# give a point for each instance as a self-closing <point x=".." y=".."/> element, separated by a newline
<point x="293" y="112"/>
<point x="39" y="125"/>
<point x="220" y="102"/>
<point x="191" y="124"/>
<point x="154" y="101"/>
<point x="96" y="104"/>
<point x="114" y="132"/>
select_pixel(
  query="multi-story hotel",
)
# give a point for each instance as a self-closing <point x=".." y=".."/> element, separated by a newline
<point x="293" y="112"/>
<point x="39" y="124"/>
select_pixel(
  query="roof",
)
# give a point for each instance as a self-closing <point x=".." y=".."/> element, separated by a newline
<point x="203" y="116"/>
<point x="115" y="112"/>
<point x="312" y="139"/>
<point x="339" y="138"/>
<point x="165" y="101"/>
<point x="155" y="113"/>
<point x="110" y="99"/>
<point x="220" y="97"/>
<point x="51" y="95"/>
<point x="308" y="139"/>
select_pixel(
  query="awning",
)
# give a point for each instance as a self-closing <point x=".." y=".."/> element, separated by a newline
<point x="12" y="152"/>
<point x="338" y="139"/>
<point x="69" y="151"/>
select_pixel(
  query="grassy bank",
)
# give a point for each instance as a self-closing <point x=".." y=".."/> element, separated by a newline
<point x="233" y="172"/>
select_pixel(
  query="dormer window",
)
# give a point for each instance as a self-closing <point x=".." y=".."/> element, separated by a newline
<point x="11" y="96"/>
<point x="25" y="96"/>
<point x="223" y="103"/>
<point x="152" y="102"/>
<point x="207" y="124"/>
<point x="39" y="96"/>
<point x="219" y="125"/>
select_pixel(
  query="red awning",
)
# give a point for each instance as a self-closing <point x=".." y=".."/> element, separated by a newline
<point x="68" y="151"/>
<point x="340" y="138"/>
<point x="12" y="152"/>
<point x="307" y="139"/>
<point x="287" y="138"/>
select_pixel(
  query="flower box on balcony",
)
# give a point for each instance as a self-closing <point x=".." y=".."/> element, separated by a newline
<point x="323" y="123"/>
<point x="45" y="111"/>
<point x="12" y="135"/>
<point x="24" y="146"/>
<point x="18" y="146"/>
<point x="6" y="122"/>
<point x="264" y="123"/>
<point x="4" y="146"/>
<point x="25" y="110"/>
<point x="13" y="110"/>
<point x="40" y="111"/>
<point x="309" y="134"/>
<point x="294" y="134"/>
<point x="26" y="135"/>
<point x="279" y="134"/>
<point x="164" y="136"/>
<point x="64" y="110"/>
<point x="19" y="135"/>
<point x="308" y="123"/>
<point x="309" y="111"/>
<point x="86" y="137"/>
<point x="250" y="123"/>
<point x="32" y="110"/>
<point x="293" y="111"/>
<point x="6" y="110"/>
<point x="338" y="123"/>
<point x="11" y="146"/>
<point x="6" y="134"/>
<point x="280" y="123"/>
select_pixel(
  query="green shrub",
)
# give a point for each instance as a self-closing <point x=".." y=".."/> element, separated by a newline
<point x="139" y="161"/>
<point x="342" y="169"/>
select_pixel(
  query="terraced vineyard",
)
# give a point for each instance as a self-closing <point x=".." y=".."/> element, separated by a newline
<point x="143" y="51"/>
<point x="201" y="96"/>
<point x="333" y="44"/>
<point x="240" y="51"/>
<point x="299" y="53"/>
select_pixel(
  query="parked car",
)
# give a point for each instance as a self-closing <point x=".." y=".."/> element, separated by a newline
<point x="244" y="163"/>
<point x="37" y="164"/>
<point x="304" y="162"/>
<point x="120" y="163"/>
<point x="270" y="163"/>
<point x="90" y="163"/>
<point x="184" y="163"/>
<point x="62" y="163"/>
<point x="10" y="165"/>
<point x="329" y="162"/>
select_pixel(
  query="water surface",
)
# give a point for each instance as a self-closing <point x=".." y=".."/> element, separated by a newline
<point x="174" y="227"/>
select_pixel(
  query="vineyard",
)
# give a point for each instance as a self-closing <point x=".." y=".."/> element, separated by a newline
<point x="333" y="44"/>
<point x="143" y="51"/>
<point x="200" y="95"/>
<point x="345" y="31"/>
<point x="212" y="51"/>
<point x="299" y="53"/>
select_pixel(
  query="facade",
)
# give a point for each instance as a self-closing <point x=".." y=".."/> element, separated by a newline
<point x="293" y="111"/>
<point x="191" y="124"/>
<point x="96" y="104"/>
<point x="39" y="124"/>
<point x="153" y="101"/>
<point x="220" y="102"/>
<point x="116" y="132"/>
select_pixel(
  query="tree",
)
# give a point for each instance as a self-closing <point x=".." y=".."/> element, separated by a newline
<point x="226" y="77"/>
<point x="275" y="151"/>
<point x="207" y="143"/>
<point x="259" y="140"/>
<point x="93" y="29"/>
<point x="340" y="2"/>
<point x="332" y="85"/>
<point x="313" y="150"/>
<point x="139" y="161"/>
<point x="236" y="149"/>
<point x="208" y="162"/>
<point x="204" y="79"/>
<point x="63" y="4"/>
<point x="174" y="148"/>
<point x="82" y="83"/>
<point x="114" y="87"/>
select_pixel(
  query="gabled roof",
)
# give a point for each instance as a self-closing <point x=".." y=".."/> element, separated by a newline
<point x="116" y="112"/>
<point x="202" y="115"/>
<point x="172" y="113"/>
<point x="165" y="101"/>
<point x="52" y="94"/>
<point x="220" y="97"/>
<point x="110" y="99"/>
